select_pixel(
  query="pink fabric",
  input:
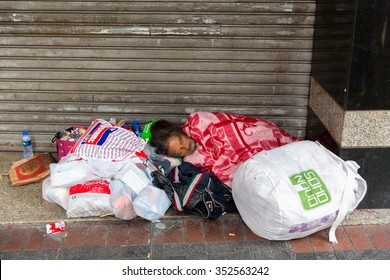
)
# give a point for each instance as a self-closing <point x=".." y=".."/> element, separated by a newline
<point x="224" y="141"/>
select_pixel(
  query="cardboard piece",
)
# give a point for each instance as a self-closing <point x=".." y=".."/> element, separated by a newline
<point x="30" y="170"/>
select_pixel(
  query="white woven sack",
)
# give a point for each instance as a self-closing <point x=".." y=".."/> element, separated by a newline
<point x="295" y="190"/>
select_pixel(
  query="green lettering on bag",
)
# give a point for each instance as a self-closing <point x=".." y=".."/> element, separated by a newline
<point x="311" y="189"/>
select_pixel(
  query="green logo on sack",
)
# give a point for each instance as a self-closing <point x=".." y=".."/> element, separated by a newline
<point x="311" y="189"/>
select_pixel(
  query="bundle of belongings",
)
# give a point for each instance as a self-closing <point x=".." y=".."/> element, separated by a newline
<point x="296" y="190"/>
<point x="112" y="171"/>
<point x="102" y="175"/>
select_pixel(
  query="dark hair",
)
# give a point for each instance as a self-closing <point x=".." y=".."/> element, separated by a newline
<point x="161" y="130"/>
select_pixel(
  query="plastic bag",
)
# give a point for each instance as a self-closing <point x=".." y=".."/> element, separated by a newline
<point x="132" y="176"/>
<point x="105" y="141"/>
<point x="107" y="169"/>
<point x="52" y="194"/>
<point x="89" y="199"/>
<point x="151" y="203"/>
<point x="295" y="190"/>
<point x="121" y="200"/>
<point x="70" y="173"/>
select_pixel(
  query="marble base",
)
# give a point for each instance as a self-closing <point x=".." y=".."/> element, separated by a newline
<point x="374" y="162"/>
<point x="351" y="129"/>
<point x="375" y="169"/>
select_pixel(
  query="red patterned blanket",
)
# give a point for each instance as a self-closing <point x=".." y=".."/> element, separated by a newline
<point x="224" y="141"/>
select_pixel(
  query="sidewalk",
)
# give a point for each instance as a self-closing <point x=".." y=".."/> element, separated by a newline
<point x="187" y="238"/>
<point x="24" y="214"/>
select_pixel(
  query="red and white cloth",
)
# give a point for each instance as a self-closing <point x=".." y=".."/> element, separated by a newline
<point x="224" y="141"/>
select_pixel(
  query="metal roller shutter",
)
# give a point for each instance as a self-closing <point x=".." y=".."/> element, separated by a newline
<point x="67" y="63"/>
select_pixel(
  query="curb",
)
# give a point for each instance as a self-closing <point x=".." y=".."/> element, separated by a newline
<point x="357" y="217"/>
<point x="368" y="217"/>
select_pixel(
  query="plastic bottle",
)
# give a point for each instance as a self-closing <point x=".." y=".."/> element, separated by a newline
<point x="146" y="134"/>
<point x="136" y="128"/>
<point x="27" y="145"/>
<point x="112" y="121"/>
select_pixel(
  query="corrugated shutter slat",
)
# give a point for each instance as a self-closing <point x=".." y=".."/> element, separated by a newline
<point x="67" y="63"/>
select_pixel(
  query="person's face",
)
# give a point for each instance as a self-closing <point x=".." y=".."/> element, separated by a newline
<point x="180" y="146"/>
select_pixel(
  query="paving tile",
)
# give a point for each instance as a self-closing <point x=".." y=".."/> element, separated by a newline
<point x="261" y="245"/>
<point x="378" y="235"/>
<point x="175" y="251"/>
<point x="76" y="235"/>
<point x="229" y="257"/>
<point x="162" y="251"/>
<point x="229" y="248"/>
<point x="30" y="255"/>
<point x="15" y="238"/>
<point x="213" y="231"/>
<point x="325" y="255"/>
<point x="196" y="251"/>
<point x="141" y="252"/>
<point x="343" y="240"/>
<point x="35" y="239"/>
<point x="173" y="234"/>
<point x="101" y="253"/>
<point x="193" y="231"/>
<point x="305" y="256"/>
<point x="359" y="237"/>
<point x="118" y="235"/>
<point x="157" y="251"/>
<point x="271" y="250"/>
<point x="4" y="236"/>
<point x="52" y="241"/>
<point x="218" y="248"/>
<point x="301" y="245"/>
<point x="277" y="255"/>
<point x="383" y="254"/>
<point x="174" y="258"/>
<point x="70" y="253"/>
<point x="387" y="228"/>
<point x="139" y="233"/>
<point x="347" y="255"/>
<point x="158" y="227"/>
<point x="97" y="235"/>
<point x="320" y="241"/>
<point x="249" y="234"/>
<point x="232" y="229"/>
